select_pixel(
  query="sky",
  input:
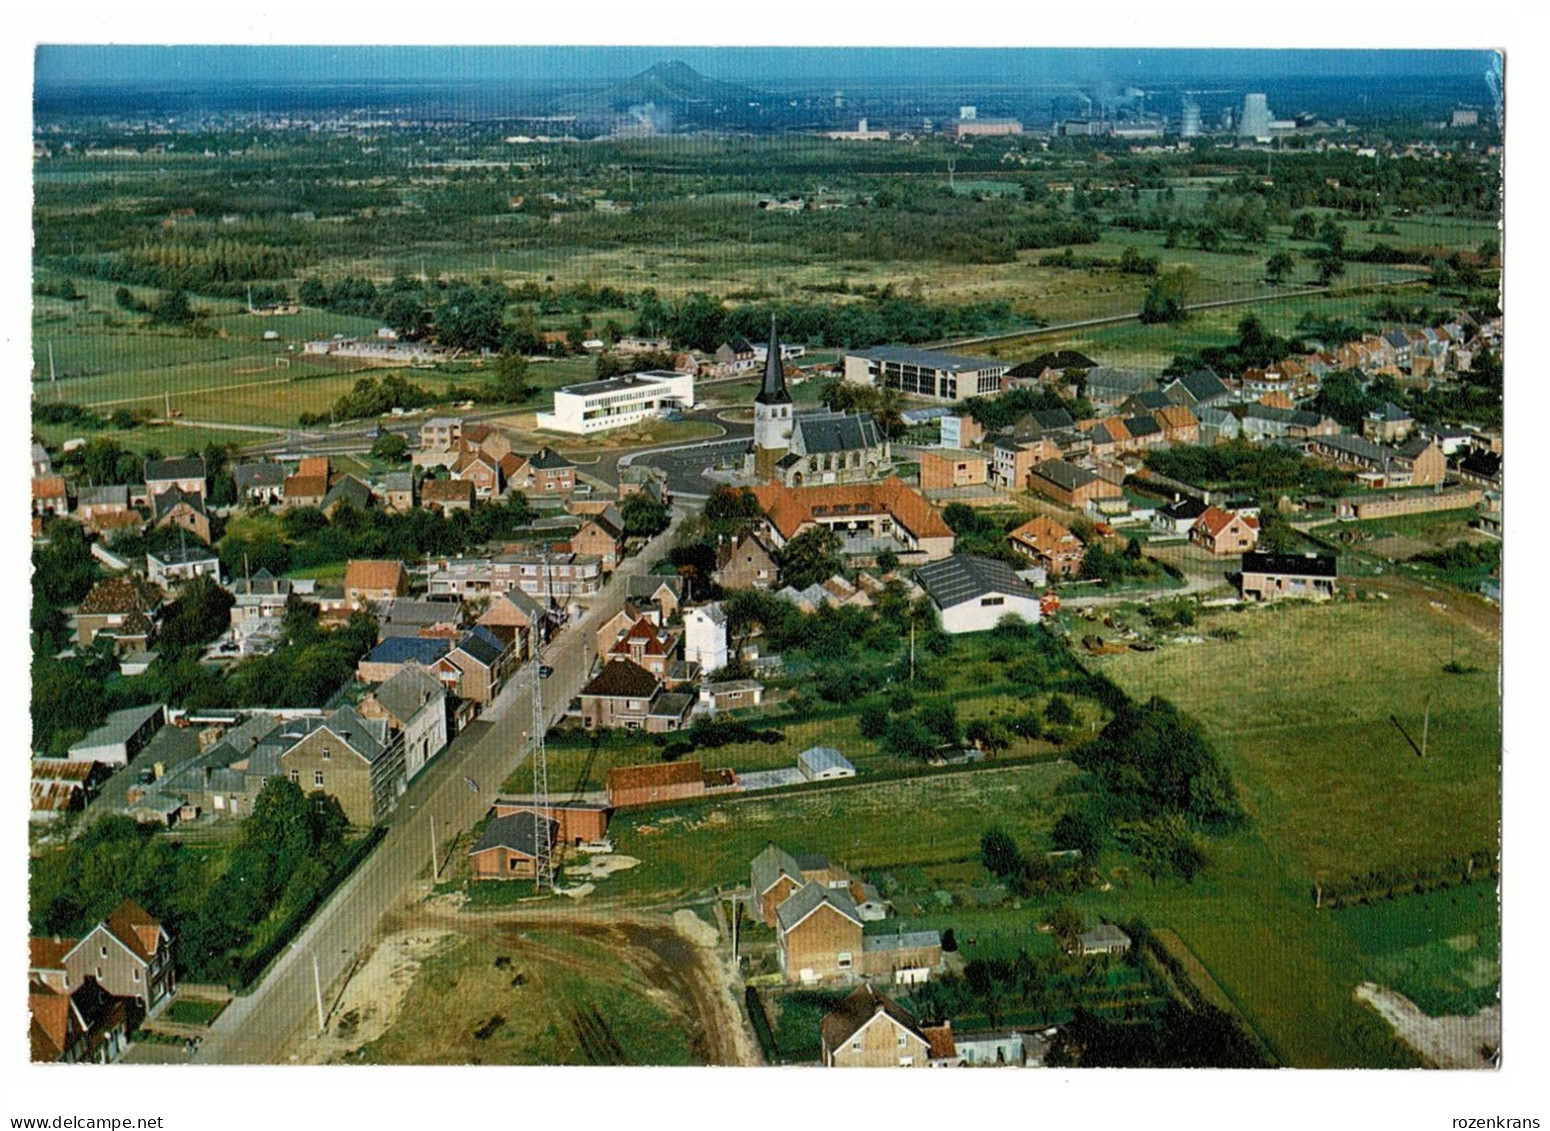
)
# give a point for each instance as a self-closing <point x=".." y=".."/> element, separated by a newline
<point x="74" y="65"/>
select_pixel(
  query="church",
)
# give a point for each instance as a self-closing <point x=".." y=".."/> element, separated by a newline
<point x="810" y="448"/>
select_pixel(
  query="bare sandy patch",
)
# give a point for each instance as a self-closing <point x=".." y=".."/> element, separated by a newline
<point x="1443" y="1042"/>
<point x="375" y="994"/>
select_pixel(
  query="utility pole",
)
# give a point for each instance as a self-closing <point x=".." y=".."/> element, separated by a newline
<point x="435" y="859"/>
<point x="1426" y="725"/>
<point x="317" y="988"/>
<point x="52" y="376"/>
<point x="912" y="653"/>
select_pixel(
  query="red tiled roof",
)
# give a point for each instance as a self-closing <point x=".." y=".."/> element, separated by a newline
<point x="136" y="928"/>
<point x="367" y="574"/>
<point x="49" y="487"/>
<point x="50" y="1029"/>
<point x="654" y="775"/>
<point x="790" y="507"/>
<point x="121" y="595"/>
<point x="1214" y="520"/>
<point x="48" y="954"/>
<point x="1046" y="536"/>
<point x="447" y="491"/>
<point x="311" y="466"/>
<point x="306" y="486"/>
<point x="940" y="1038"/>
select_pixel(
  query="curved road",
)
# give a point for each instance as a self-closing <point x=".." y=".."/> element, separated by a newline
<point x="456" y="789"/>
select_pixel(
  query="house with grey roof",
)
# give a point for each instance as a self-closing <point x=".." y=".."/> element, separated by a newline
<point x="1108" y="387"/>
<point x="1197" y="390"/>
<point x="511" y="847"/>
<point x="1105" y="938"/>
<point x="973" y="593"/>
<point x="1266" y="422"/>
<point x="358" y="761"/>
<point x="414" y="703"/>
<point x="260" y="483"/>
<point x="1217" y="425"/>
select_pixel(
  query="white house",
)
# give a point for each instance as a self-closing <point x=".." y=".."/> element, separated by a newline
<point x="596" y="406"/>
<point x="705" y="637"/>
<point x="925" y="373"/>
<point x="973" y="593"/>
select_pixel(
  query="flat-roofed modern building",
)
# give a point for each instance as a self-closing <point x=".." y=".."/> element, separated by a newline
<point x="596" y="406"/>
<point x="926" y="373"/>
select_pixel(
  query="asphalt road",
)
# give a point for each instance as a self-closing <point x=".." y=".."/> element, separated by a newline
<point x="456" y="789"/>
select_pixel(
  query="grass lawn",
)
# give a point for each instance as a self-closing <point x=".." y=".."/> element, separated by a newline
<point x="900" y="823"/>
<point x="1441" y="949"/>
<point x="1300" y="707"/>
<point x="187" y="1011"/>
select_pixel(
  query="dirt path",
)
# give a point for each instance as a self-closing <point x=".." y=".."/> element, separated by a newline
<point x="374" y="995"/>
<point x="1443" y="1042"/>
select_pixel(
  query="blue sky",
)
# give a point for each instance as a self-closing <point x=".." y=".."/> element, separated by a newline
<point x="60" y="65"/>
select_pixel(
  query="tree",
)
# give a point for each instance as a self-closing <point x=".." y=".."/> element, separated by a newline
<point x="511" y="383"/>
<point x="941" y="719"/>
<point x="1066" y="923"/>
<point x="391" y="447"/>
<point x="644" y="516"/>
<point x="999" y="853"/>
<point x="907" y="738"/>
<point x="1165" y="299"/>
<point x="1305" y="226"/>
<point x="1058" y="712"/>
<point x="173" y="309"/>
<point x="1332" y="236"/>
<point x="872" y="721"/>
<point x="1331" y="266"/>
<point x="811" y="557"/>
<point x="1279" y="266"/>
<point x="201" y="612"/>
<point x="1081" y="830"/>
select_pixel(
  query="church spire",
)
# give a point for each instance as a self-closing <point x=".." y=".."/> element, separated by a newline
<point x="774" y="389"/>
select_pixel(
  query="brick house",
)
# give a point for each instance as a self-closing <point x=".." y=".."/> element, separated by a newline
<point x="666" y="593"/>
<point x="398" y="491"/>
<point x="124" y="608"/>
<point x="85" y="1026"/>
<point x="1224" y="532"/>
<point x="481" y="470"/>
<point x="50" y="496"/>
<point x="941" y="469"/>
<point x="619" y="696"/>
<point x="868" y="1030"/>
<point x="646" y="644"/>
<point x="129" y="954"/>
<point x="1070" y="485"/>
<point x="818" y="934"/>
<point x="580" y="822"/>
<point x="366" y="581"/>
<point x="773" y="876"/>
<point x="1050" y="545"/>
<point x="183" y="509"/>
<point x="653" y="783"/>
<point x="887" y="512"/>
<point x="1269" y="577"/>
<point x="512" y="845"/>
<point x="447" y="495"/>
<point x="482" y="662"/>
<point x="546" y="472"/>
<point x="186" y="474"/>
<point x="745" y="562"/>
<point x="359" y="762"/>
<point x="601" y="535"/>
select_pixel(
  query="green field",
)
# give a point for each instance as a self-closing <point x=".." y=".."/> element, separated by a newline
<point x="1301" y="704"/>
<point x="1442" y="949"/>
<point x="917" y="821"/>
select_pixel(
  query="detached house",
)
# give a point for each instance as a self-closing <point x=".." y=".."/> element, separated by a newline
<point x="128" y="954"/>
<point x="259" y="484"/>
<point x="511" y="847"/>
<point x="868" y="1030"/>
<point x="187" y="475"/>
<point x="183" y="509"/>
<point x="366" y="581"/>
<point x="745" y="562"/>
<point x="1050" y="545"/>
<point x="1224" y="532"/>
<point x="123" y="608"/>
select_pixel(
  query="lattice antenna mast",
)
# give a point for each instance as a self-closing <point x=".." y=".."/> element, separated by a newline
<point x="543" y="848"/>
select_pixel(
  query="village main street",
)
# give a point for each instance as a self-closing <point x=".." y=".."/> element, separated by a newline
<point x="451" y="795"/>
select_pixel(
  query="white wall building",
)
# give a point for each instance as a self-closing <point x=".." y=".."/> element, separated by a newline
<point x="705" y="637"/>
<point x="972" y="594"/>
<point x="596" y="406"/>
<point x="926" y="373"/>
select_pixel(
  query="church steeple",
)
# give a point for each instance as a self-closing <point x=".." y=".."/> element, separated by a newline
<point x="774" y="389"/>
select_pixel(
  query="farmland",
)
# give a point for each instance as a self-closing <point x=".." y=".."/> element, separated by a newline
<point x="1301" y="706"/>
